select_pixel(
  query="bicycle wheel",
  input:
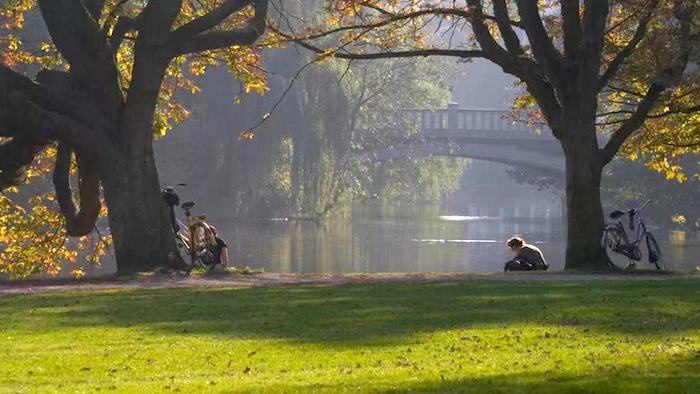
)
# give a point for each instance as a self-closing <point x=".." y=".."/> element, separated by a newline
<point x="206" y="257"/>
<point x="613" y="241"/>
<point x="654" y="256"/>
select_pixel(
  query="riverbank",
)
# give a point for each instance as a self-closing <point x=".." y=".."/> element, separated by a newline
<point x="237" y="280"/>
<point x="492" y="333"/>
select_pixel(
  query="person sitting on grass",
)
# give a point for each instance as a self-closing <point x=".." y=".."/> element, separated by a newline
<point x="220" y="250"/>
<point x="526" y="257"/>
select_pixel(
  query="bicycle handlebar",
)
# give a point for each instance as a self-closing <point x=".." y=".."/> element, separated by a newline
<point x="647" y="202"/>
<point x="630" y="212"/>
<point x="634" y="211"/>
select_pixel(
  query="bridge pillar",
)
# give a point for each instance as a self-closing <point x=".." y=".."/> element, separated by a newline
<point x="452" y="117"/>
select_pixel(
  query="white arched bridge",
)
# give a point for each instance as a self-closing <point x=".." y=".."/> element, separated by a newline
<point x="482" y="134"/>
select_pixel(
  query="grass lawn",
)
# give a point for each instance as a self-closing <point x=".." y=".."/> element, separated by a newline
<point x="469" y="336"/>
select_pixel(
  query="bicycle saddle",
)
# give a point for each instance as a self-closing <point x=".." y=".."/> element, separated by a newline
<point x="616" y="214"/>
<point x="187" y="205"/>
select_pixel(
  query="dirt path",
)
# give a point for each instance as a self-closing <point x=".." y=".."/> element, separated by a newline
<point x="277" y="279"/>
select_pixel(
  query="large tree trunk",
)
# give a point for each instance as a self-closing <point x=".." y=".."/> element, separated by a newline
<point x="141" y="231"/>
<point x="139" y="223"/>
<point x="584" y="208"/>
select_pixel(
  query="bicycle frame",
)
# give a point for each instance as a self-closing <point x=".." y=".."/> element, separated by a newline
<point x="196" y="237"/>
<point x="641" y="229"/>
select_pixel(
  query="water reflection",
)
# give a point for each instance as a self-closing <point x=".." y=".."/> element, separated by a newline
<point x="402" y="239"/>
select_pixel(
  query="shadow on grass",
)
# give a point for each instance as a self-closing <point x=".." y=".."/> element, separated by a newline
<point x="681" y="375"/>
<point x="677" y="376"/>
<point x="367" y="314"/>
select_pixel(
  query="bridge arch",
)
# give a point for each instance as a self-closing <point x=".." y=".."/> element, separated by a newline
<point x="508" y="154"/>
<point x="474" y="133"/>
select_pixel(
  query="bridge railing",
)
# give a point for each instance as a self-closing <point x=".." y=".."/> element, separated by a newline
<point x="455" y="120"/>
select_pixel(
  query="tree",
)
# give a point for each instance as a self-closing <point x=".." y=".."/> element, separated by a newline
<point x="589" y="66"/>
<point x="123" y="60"/>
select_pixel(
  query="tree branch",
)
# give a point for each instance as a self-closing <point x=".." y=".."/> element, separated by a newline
<point x="210" y="20"/>
<point x="514" y="61"/>
<point x="15" y="156"/>
<point x="221" y="39"/>
<point x="79" y="39"/>
<point x="627" y="51"/>
<point x="12" y="81"/>
<point x="632" y="124"/>
<point x="685" y="145"/>
<point x="23" y="117"/>
<point x="157" y="19"/>
<point x="593" y="24"/>
<point x="461" y="53"/>
<point x="94" y="7"/>
<point x="684" y="110"/>
<point x="151" y="60"/>
<point x="124" y="25"/>
<point x="511" y="40"/>
<point x="658" y="115"/>
<point x="390" y="18"/>
<point x="34" y="112"/>
<point x="78" y="222"/>
<point x="542" y="46"/>
<point x="491" y="48"/>
<point x="571" y="21"/>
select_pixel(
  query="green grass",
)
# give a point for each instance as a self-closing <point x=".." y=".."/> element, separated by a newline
<point x="471" y="336"/>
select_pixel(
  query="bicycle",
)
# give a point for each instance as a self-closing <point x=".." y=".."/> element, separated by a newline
<point x="195" y="237"/>
<point x="616" y="239"/>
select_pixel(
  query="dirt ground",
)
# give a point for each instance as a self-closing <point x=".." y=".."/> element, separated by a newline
<point x="279" y="279"/>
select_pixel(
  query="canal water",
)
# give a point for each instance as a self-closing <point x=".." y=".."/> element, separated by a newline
<point x="406" y="238"/>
